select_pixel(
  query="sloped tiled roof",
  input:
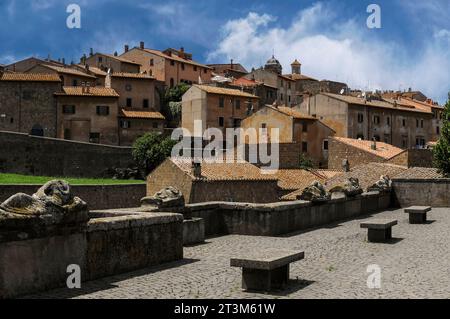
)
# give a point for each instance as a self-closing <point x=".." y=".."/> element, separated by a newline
<point x="224" y="91"/>
<point x="294" y="179"/>
<point x="373" y="103"/>
<point x="420" y="173"/>
<point x="29" y="77"/>
<point x="368" y="174"/>
<point x="93" y="69"/>
<point x="67" y="70"/>
<point x="141" y="114"/>
<point x="92" y="91"/>
<point x="132" y="75"/>
<point x="238" y="171"/>
<point x="294" y="113"/>
<point x="118" y="58"/>
<point x="383" y="150"/>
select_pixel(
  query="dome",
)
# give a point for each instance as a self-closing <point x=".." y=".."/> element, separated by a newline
<point x="295" y="63"/>
<point x="273" y="61"/>
<point x="274" y="65"/>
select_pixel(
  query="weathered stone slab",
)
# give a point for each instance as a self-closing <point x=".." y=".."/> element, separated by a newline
<point x="268" y="259"/>
<point x="379" y="223"/>
<point x="380" y="230"/>
<point x="418" y="210"/>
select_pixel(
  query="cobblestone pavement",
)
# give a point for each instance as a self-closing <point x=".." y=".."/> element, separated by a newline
<point x="416" y="264"/>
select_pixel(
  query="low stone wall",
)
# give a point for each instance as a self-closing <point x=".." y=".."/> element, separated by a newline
<point x="32" y="155"/>
<point x="98" y="196"/>
<point x="223" y="218"/>
<point x="102" y="248"/>
<point x="422" y="192"/>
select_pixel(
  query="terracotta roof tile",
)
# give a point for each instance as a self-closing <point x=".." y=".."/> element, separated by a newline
<point x="30" y="77"/>
<point x="93" y="69"/>
<point x="118" y="58"/>
<point x="420" y="173"/>
<point x="92" y="91"/>
<point x="294" y="113"/>
<point x="224" y="91"/>
<point x="67" y="70"/>
<point x="238" y="171"/>
<point x="294" y="179"/>
<point x="141" y="114"/>
<point x="383" y="150"/>
<point x="132" y="75"/>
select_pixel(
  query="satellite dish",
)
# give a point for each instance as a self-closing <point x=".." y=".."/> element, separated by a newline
<point x="342" y="91"/>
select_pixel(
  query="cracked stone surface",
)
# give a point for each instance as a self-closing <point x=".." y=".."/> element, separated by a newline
<point x="414" y="265"/>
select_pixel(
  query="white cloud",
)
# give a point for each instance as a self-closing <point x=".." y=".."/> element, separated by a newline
<point x="342" y="51"/>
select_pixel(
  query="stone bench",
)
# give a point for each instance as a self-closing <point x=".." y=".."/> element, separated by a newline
<point x="418" y="214"/>
<point x="380" y="230"/>
<point x="266" y="270"/>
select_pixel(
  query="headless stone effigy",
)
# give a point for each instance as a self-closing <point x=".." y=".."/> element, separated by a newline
<point x="383" y="185"/>
<point x="52" y="205"/>
<point x="350" y="188"/>
<point x="169" y="197"/>
<point x="315" y="193"/>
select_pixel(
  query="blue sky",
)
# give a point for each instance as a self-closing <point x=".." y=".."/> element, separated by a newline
<point x="330" y="38"/>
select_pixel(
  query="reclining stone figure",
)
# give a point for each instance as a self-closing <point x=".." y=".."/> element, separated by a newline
<point x="315" y="193"/>
<point x="169" y="197"/>
<point x="350" y="188"/>
<point x="52" y="204"/>
<point x="383" y="185"/>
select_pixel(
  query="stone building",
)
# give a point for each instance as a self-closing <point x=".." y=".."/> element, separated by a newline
<point x="267" y="94"/>
<point x="111" y="62"/>
<point x="88" y="114"/>
<point x="170" y="66"/>
<point x="135" y="123"/>
<point x="27" y="103"/>
<point x="94" y="71"/>
<point x="271" y="75"/>
<point x="216" y="107"/>
<point x="229" y="70"/>
<point x="24" y="65"/>
<point x="308" y="132"/>
<point x="210" y="182"/>
<point x="368" y="119"/>
<point x="69" y="76"/>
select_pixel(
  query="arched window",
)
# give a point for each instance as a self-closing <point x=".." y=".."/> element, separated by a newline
<point x="172" y="83"/>
<point x="37" y="130"/>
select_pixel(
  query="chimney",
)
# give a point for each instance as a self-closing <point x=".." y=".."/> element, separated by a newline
<point x="126" y="48"/>
<point x="115" y="53"/>
<point x="108" y="79"/>
<point x="231" y="64"/>
<point x="197" y="169"/>
<point x="83" y="59"/>
<point x="346" y="166"/>
<point x="374" y="144"/>
<point x="91" y="52"/>
<point x="63" y="61"/>
<point x="142" y="45"/>
<point x="182" y="55"/>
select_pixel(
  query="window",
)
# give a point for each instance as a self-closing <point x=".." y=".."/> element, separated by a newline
<point x="75" y="82"/>
<point x="404" y="123"/>
<point x="221" y="102"/>
<point x="68" y="109"/>
<point x="145" y="104"/>
<point x="417" y="123"/>
<point x="388" y="121"/>
<point x="172" y="83"/>
<point x="172" y="62"/>
<point x="305" y="127"/>
<point x="221" y="121"/>
<point x="94" y="138"/>
<point x="205" y="71"/>
<point x="102" y="110"/>
<point x="376" y="119"/>
<point x="360" y="118"/>
<point x="182" y="66"/>
<point x="404" y="142"/>
<point x="125" y="124"/>
<point x="360" y="136"/>
<point x="100" y="59"/>
<point x="377" y="138"/>
<point x="152" y="62"/>
<point x="155" y="125"/>
<point x="195" y="68"/>
<point x="304" y="147"/>
<point x="281" y="97"/>
<point x="289" y="98"/>
<point x="325" y="145"/>
<point x="387" y="138"/>
<point x="67" y="134"/>
<point x="129" y="102"/>
<point x="238" y="104"/>
<point x="438" y="130"/>
<point x="421" y="123"/>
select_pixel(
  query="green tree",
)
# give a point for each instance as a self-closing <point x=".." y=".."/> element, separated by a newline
<point x="151" y="150"/>
<point x="305" y="162"/>
<point x="441" y="151"/>
<point x="172" y="103"/>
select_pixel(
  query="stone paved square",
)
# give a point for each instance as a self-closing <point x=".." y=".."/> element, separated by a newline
<point x="416" y="264"/>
